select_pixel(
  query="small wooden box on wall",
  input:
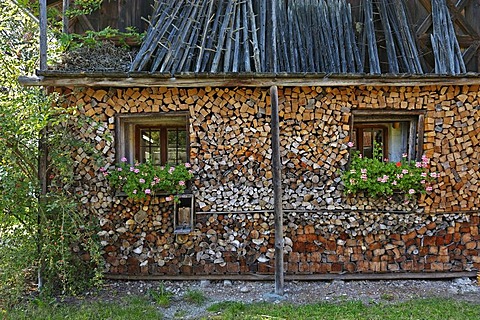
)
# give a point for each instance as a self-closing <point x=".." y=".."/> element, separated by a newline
<point x="184" y="209"/>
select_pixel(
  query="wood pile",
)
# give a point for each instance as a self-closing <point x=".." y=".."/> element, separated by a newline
<point x="402" y="53"/>
<point x="230" y="154"/>
<point x="448" y="57"/>
<point x="229" y="140"/>
<point x="138" y="239"/>
<point x="453" y="146"/>
<point x="317" y="36"/>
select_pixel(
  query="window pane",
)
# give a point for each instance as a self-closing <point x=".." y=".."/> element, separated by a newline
<point x="177" y="146"/>
<point x="372" y="137"/>
<point x="146" y="138"/>
<point x="151" y="154"/>
<point x="155" y="134"/>
<point x="367" y="143"/>
<point x="150" y="145"/>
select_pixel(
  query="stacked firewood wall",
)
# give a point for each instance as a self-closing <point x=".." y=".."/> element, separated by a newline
<point x="230" y="153"/>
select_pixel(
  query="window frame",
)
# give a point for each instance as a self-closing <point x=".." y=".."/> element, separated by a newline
<point x="128" y="126"/>
<point x="416" y="119"/>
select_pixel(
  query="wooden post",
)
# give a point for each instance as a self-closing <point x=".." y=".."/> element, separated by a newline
<point x="277" y="193"/>
<point x="43" y="35"/>
<point x="65" y="20"/>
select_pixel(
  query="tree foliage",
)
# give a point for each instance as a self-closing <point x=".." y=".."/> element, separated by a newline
<point x="48" y="232"/>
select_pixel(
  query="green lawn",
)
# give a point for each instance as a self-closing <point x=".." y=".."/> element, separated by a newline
<point x="417" y="309"/>
<point x="144" y="309"/>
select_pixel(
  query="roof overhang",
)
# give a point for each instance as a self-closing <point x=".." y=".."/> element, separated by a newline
<point x="143" y="79"/>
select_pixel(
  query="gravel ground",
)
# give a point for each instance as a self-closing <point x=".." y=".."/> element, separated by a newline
<point x="296" y="292"/>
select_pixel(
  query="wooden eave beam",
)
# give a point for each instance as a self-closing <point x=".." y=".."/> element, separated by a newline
<point x="123" y="80"/>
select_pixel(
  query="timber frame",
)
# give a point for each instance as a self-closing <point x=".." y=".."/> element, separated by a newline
<point x="59" y="79"/>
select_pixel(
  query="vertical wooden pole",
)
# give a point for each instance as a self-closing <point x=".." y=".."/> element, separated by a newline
<point x="42" y="147"/>
<point x="277" y="193"/>
<point x="65" y="20"/>
<point x="43" y="35"/>
<point x="274" y="37"/>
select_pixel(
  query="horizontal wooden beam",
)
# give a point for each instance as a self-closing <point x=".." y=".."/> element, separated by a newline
<point x="122" y="80"/>
<point x="303" y="277"/>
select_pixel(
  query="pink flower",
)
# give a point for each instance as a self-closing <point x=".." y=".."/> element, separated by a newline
<point x="136" y="170"/>
<point x="132" y="168"/>
<point x="418" y="164"/>
<point x="411" y="191"/>
<point x="168" y="199"/>
<point x="360" y="156"/>
<point x="429" y="188"/>
<point x="404" y="171"/>
<point x="119" y="169"/>
<point x="433" y="175"/>
<point x="422" y="182"/>
<point x="134" y="191"/>
<point x="423" y="174"/>
<point x="394" y="182"/>
<point x="147" y="191"/>
<point x="353" y="171"/>
<point x="190" y="171"/>
<point x="171" y="170"/>
<point x="187" y="165"/>
<point x="123" y="159"/>
<point x="105" y="174"/>
<point x="153" y="183"/>
<point x="141" y="180"/>
<point x="364" y="177"/>
<point x="102" y="169"/>
<point x="353" y="181"/>
<point x="383" y="179"/>
<point x="363" y="171"/>
<point x="404" y="155"/>
<point x="181" y="182"/>
<point x="350" y="144"/>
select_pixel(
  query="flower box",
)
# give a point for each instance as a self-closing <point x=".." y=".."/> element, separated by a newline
<point x="140" y="180"/>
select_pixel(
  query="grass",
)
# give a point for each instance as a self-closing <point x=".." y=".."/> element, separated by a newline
<point x="134" y="308"/>
<point x="143" y="308"/>
<point x="161" y="296"/>
<point x="430" y="309"/>
<point x="195" y="296"/>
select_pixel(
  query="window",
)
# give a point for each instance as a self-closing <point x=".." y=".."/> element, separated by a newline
<point x="396" y="132"/>
<point x="158" y="138"/>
